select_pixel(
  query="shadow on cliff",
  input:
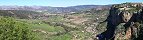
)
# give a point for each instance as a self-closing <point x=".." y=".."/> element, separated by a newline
<point x="117" y="17"/>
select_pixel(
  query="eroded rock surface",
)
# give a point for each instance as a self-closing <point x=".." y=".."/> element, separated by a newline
<point x="127" y="13"/>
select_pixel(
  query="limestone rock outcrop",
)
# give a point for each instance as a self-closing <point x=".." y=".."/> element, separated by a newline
<point x="127" y="13"/>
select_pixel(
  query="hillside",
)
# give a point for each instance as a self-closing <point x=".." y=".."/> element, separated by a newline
<point x="83" y="22"/>
<point x="22" y="14"/>
<point x="55" y="9"/>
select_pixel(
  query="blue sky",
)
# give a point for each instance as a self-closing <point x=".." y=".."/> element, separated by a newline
<point x="63" y="3"/>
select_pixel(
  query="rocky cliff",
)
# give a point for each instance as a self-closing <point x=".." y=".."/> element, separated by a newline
<point x="123" y="22"/>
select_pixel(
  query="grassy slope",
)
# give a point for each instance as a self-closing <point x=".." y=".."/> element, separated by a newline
<point x="38" y="24"/>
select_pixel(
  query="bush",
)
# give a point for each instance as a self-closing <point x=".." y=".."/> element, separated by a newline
<point x="11" y="29"/>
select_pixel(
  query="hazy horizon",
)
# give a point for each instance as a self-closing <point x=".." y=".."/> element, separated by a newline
<point x="62" y="3"/>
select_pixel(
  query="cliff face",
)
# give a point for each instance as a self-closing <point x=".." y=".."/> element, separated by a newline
<point x="127" y="13"/>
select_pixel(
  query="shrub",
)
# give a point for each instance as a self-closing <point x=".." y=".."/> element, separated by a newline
<point x="11" y="29"/>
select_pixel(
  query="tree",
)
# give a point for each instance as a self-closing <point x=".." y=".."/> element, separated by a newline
<point x="11" y="29"/>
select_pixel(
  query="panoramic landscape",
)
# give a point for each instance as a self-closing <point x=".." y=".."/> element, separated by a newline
<point x="71" y="20"/>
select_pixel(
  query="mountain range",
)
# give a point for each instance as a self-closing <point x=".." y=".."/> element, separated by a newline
<point x="56" y="9"/>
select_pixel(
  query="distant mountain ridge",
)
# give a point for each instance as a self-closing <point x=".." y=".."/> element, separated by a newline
<point x="56" y="9"/>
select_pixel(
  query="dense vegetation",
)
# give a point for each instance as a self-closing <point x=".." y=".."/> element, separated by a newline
<point x="11" y="29"/>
